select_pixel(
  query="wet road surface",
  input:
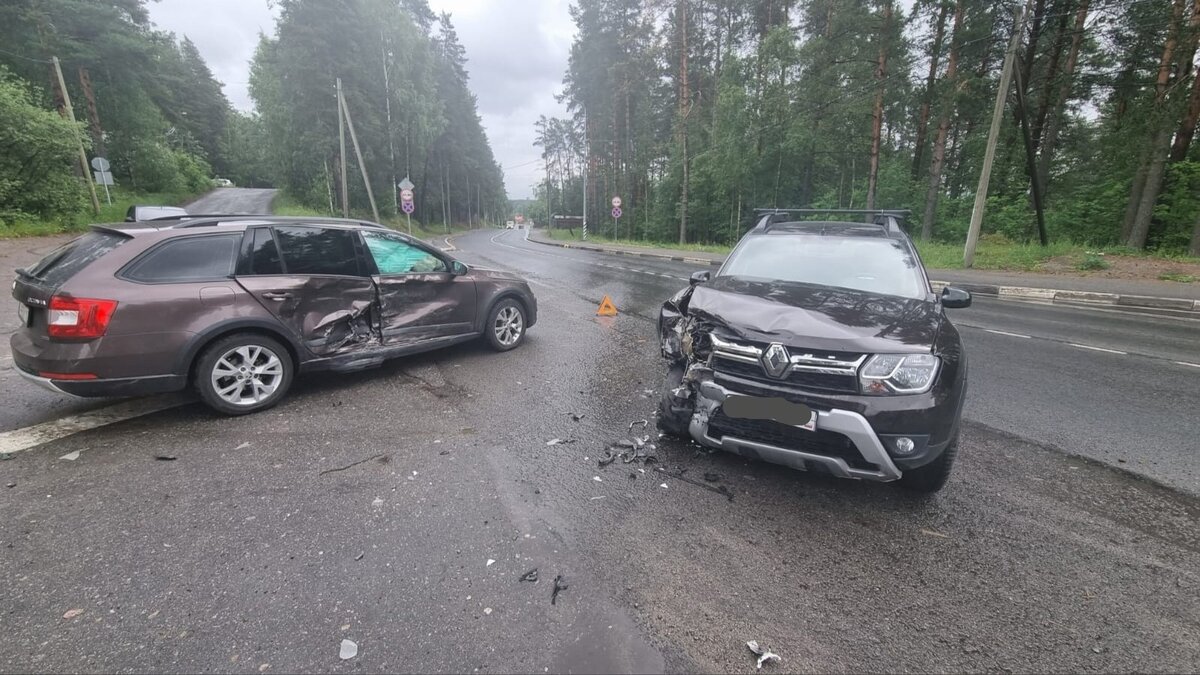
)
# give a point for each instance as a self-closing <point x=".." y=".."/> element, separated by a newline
<point x="234" y="200"/>
<point x="367" y="506"/>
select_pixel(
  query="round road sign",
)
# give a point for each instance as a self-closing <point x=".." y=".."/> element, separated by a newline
<point x="407" y="207"/>
<point x="100" y="164"/>
<point x="616" y="202"/>
<point x="406" y="195"/>
<point x="616" y="212"/>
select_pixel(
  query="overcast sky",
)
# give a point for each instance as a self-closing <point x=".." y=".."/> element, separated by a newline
<point x="516" y="56"/>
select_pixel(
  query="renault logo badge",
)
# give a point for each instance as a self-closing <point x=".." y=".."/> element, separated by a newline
<point x="775" y="360"/>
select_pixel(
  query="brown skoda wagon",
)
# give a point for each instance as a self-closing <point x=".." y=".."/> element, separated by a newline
<point x="237" y="305"/>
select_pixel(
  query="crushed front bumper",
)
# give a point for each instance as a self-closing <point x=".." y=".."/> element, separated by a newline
<point x="875" y="464"/>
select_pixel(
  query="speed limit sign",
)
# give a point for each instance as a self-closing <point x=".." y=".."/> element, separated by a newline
<point x="406" y="195"/>
<point x="616" y="202"/>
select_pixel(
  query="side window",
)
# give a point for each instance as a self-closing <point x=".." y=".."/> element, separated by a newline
<point x="264" y="255"/>
<point x="187" y="259"/>
<point x="393" y="255"/>
<point x="317" y="250"/>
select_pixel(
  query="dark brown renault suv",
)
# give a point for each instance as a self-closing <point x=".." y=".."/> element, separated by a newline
<point x="237" y="305"/>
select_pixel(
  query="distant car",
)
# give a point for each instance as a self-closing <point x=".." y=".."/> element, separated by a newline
<point x="222" y="182"/>
<point x="236" y="306"/>
<point x="138" y="213"/>
<point x="819" y="345"/>
<point x="509" y="225"/>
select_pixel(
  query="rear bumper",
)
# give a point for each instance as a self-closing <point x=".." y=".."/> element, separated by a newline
<point x="118" y="387"/>
<point x="853" y="426"/>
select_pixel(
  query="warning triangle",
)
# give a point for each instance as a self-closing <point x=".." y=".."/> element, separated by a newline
<point x="607" y="308"/>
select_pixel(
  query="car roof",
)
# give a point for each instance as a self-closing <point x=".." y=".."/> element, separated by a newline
<point x="231" y="222"/>
<point x="825" y="228"/>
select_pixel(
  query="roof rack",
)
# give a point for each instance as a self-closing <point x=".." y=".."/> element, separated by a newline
<point x="889" y="219"/>
<point x="211" y="219"/>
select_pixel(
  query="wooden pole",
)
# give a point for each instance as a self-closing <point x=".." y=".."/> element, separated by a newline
<point x="83" y="161"/>
<point x="989" y="155"/>
<point x="342" y="152"/>
<point x="362" y="165"/>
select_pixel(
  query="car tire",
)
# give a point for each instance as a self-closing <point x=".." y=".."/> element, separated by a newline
<point x="932" y="477"/>
<point x="506" y="325"/>
<point x="261" y="366"/>
<point x="670" y="421"/>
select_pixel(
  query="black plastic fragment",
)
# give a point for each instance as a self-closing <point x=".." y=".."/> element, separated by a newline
<point x="560" y="585"/>
<point x="530" y="576"/>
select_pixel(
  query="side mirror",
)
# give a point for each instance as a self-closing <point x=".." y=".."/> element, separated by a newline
<point x="459" y="268"/>
<point x="955" y="298"/>
<point x="700" y="277"/>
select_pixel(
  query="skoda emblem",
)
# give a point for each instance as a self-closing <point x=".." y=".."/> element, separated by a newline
<point x="775" y="360"/>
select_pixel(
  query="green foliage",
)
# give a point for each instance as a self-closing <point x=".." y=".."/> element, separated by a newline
<point x="1177" y="276"/>
<point x="39" y="154"/>
<point x="1092" y="261"/>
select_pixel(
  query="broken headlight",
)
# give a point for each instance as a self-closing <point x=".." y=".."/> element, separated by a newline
<point x="697" y="344"/>
<point x="898" y="373"/>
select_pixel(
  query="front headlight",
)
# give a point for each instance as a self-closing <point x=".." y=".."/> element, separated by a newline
<point x="898" y="373"/>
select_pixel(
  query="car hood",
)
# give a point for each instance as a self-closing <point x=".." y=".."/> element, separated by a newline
<point x="816" y="317"/>
<point x="487" y="274"/>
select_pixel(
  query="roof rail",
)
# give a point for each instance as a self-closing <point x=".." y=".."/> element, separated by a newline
<point x="189" y="216"/>
<point x="889" y="219"/>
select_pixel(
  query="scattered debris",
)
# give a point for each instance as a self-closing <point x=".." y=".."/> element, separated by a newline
<point x="608" y="458"/>
<point x="597" y="479"/>
<point x="679" y="475"/>
<point x="559" y="441"/>
<point x="663" y="486"/>
<point x="530" y="576"/>
<point x="11" y="485"/>
<point x="595" y="498"/>
<point x="560" y="585"/>
<point x="490" y="562"/>
<point x="360" y="555"/>
<point x="632" y="476"/>
<point x="377" y="502"/>
<point x="348" y="650"/>
<point x="645" y="424"/>
<point x="342" y="468"/>
<point x="263" y="668"/>
<point x="166" y="458"/>
<point x="6" y="455"/>
<point x="444" y="452"/>
<point x="576" y="417"/>
<point x="764" y="655"/>
<point x="934" y="533"/>
<point x="243" y="446"/>
<point x="71" y="456"/>
<point x="487" y="610"/>
<point x="72" y="613"/>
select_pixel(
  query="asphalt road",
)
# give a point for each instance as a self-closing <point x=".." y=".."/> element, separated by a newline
<point x="368" y="506"/>
<point x="234" y="200"/>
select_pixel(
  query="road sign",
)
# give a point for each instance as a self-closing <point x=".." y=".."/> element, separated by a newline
<point x="406" y="194"/>
<point x="406" y="184"/>
<point x="100" y="164"/>
<point x="103" y="177"/>
<point x="407" y="207"/>
<point x="616" y="212"/>
<point x="616" y="202"/>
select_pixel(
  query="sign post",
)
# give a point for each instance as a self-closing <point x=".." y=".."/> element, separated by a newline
<point x="616" y="213"/>
<point x="103" y="175"/>
<point x="406" y="201"/>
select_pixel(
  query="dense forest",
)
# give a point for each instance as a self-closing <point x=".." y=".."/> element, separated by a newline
<point x="146" y="100"/>
<point x="404" y="78"/>
<point x="142" y="98"/>
<point x="696" y="112"/>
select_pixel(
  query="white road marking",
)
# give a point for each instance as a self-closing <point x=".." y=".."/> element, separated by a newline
<point x="1004" y="332"/>
<point x="20" y="440"/>
<point x="1099" y="349"/>
<point x="1189" y="365"/>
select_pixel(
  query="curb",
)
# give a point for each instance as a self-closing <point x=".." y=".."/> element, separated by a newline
<point x="1023" y="292"/>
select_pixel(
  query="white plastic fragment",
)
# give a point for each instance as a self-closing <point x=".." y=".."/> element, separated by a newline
<point x="243" y="446"/>
<point x="764" y="655"/>
<point x="597" y="479"/>
<point x="348" y="650"/>
<point x="663" y="486"/>
<point x="490" y="562"/>
<point x="71" y="456"/>
<point x="487" y="610"/>
<point x="377" y="503"/>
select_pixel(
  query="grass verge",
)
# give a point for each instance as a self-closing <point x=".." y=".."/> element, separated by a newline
<point x="286" y="205"/>
<point x="109" y="213"/>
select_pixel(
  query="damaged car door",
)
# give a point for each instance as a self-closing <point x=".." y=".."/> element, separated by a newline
<point x="314" y="280"/>
<point x="421" y="296"/>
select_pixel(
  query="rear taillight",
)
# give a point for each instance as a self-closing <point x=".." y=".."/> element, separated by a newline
<point x="78" y="318"/>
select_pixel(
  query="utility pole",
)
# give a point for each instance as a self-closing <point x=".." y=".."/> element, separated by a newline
<point x="83" y="161"/>
<point x="685" y="109"/>
<point x="549" y="213"/>
<point x="362" y="165"/>
<point x="387" y="104"/>
<point x="342" y="152"/>
<point x="989" y="155"/>
<point x="587" y="149"/>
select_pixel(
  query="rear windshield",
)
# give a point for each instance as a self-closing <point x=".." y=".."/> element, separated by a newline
<point x="874" y="265"/>
<point x="62" y="264"/>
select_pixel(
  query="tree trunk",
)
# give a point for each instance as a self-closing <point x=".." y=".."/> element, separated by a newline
<point x="1194" y="249"/>
<point x="939" y="143"/>
<point x="684" y="109"/>
<point x="1056" y="113"/>
<point x="1155" y="169"/>
<point x="1052" y="72"/>
<point x="935" y="54"/>
<point x="877" y="115"/>
<point x="1187" y="127"/>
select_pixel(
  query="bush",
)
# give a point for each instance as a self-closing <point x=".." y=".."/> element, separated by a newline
<point x="1092" y="261"/>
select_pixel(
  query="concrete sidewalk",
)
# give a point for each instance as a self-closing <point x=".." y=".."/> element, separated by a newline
<point x="1031" y="285"/>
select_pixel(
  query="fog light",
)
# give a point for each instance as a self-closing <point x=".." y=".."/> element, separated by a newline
<point x="904" y="445"/>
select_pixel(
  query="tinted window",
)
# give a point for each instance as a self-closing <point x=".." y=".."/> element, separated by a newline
<point x="190" y="259"/>
<point x="394" y="255"/>
<point x="316" y="250"/>
<point x="68" y="259"/>
<point x="871" y="264"/>
<point x="264" y="255"/>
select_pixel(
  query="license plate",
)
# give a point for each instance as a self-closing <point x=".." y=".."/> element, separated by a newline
<point x="770" y="408"/>
<point x="23" y="313"/>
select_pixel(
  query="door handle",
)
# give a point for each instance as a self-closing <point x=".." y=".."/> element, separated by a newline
<point x="278" y="296"/>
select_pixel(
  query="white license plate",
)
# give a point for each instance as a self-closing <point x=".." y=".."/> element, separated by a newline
<point x="773" y="408"/>
<point x="23" y="313"/>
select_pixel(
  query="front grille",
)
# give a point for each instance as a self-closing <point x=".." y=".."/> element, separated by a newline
<point x="818" y="442"/>
<point x="845" y="384"/>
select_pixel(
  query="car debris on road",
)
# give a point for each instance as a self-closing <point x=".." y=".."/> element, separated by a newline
<point x="560" y="585"/>
<point x="764" y="655"/>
